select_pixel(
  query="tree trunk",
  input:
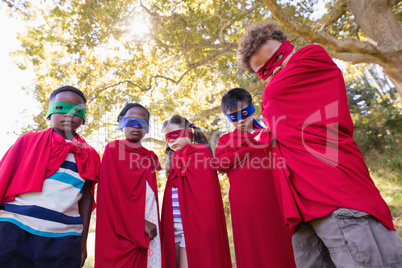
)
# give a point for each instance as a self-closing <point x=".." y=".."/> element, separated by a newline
<point x="382" y="28"/>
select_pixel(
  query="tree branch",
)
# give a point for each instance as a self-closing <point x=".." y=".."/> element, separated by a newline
<point x="206" y="113"/>
<point x="336" y="13"/>
<point x="149" y="139"/>
<point x="230" y="22"/>
<point x="176" y="18"/>
<point x="211" y="56"/>
<point x="98" y="92"/>
<point x="185" y="47"/>
<point x="354" y="57"/>
<point x="156" y="15"/>
<point x="232" y="45"/>
<point x="223" y="28"/>
<point x="217" y="109"/>
<point x="314" y="36"/>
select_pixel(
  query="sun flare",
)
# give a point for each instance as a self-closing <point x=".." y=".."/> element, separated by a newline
<point x="139" y="27"/>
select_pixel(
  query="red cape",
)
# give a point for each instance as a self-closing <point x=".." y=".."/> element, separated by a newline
<point x="305" y="107"/>
<point x="201" y="210"/>
<point x="36" y="155"/>
<point x="120" y="214"/>
<point x="260" y="235"/>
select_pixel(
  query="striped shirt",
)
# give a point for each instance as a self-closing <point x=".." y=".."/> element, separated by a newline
<point x="175" y="204"/>
<point x="54" y="211"/>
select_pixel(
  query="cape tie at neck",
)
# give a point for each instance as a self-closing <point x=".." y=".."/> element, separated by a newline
<point x="75" y="147"/>
<point x="178" y="166"/>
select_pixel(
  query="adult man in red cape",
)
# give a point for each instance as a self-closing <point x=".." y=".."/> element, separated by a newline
<point x="120" y="237"/>
<point x="201" y="210"/>
<point x="305" y="108"/>
<point x="260" y="236"/>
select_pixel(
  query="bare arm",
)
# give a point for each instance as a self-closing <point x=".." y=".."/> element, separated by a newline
<point x="85" y="208"/>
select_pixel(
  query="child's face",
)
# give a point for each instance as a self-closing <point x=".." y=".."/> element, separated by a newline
<point x="135" y="133"/>
<point x="245" y="124"/>
<point x="179" y="143"/>
<point x="66" y="124"/>
<point x="264" y="53"/>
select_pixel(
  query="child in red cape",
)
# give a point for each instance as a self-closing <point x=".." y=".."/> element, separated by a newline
<point x="127" y="217"/>
<point x="193" y="221"/>
<point x="345" y="221"/>
<point x="46" y="179"/>
<point x="261" y="238"/>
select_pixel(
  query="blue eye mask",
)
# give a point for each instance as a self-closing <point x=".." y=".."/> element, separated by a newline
<point x="242" y="114"/>
<point x="134" y="122"/>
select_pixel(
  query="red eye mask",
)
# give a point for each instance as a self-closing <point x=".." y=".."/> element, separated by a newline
<point x="265" y="71"/>
<point x="187" y="132"/>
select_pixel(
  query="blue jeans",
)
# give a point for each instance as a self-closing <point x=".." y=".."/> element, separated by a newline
<point x="346" y="238"/>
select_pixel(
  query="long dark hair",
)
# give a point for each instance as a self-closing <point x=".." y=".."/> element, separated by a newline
<point x="198" y="136"/>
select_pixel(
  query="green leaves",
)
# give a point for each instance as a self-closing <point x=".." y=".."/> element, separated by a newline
<point x="185" y="60"/>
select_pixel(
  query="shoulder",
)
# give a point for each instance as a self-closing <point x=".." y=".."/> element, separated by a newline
<point x="200" y="148"/>
<point x="112" y="144"/>
<point x="312" y="51"/>
<point x="312" y="48"/>
<point x="312" y="55"/>
<point x="225" y="138"/>
<point x="30" y="136"/>
<point x="27" y="136"/>
<point x="154" y="155"/>
<point x="148" y="153"/>
<point x="91" y="150"/>
<point x="224" y="142"/>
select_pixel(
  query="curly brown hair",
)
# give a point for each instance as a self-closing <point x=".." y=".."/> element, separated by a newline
<point x="256" y="35"/>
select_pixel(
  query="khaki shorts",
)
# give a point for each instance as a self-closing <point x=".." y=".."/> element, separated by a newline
<point x="347" y="238"/>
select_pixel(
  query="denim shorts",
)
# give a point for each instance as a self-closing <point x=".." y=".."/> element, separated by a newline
<point x="347" y="238"/>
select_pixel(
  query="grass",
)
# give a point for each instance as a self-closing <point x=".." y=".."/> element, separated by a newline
<point x="385" y="169"/>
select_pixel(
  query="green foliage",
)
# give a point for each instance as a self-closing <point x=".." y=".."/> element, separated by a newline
<point x="376" y="112"/>
<point x="89" y="262"/>
<point x="385" y="168"/>
<point x="16" y="7"/>
<point x="182" y="65"/>
<point x="188" y="54"/>
<point x="397" y="9"/>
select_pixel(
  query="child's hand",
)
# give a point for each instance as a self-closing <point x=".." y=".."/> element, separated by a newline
<point x="150" y="229"/>
<point x="83" y="256"/>
<point x="264" y="137"/>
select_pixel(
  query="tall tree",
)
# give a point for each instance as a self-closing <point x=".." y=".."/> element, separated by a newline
<point x="356" y="31"/>
<point x="15" y="6"/>
<point x="185" y="60"/>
